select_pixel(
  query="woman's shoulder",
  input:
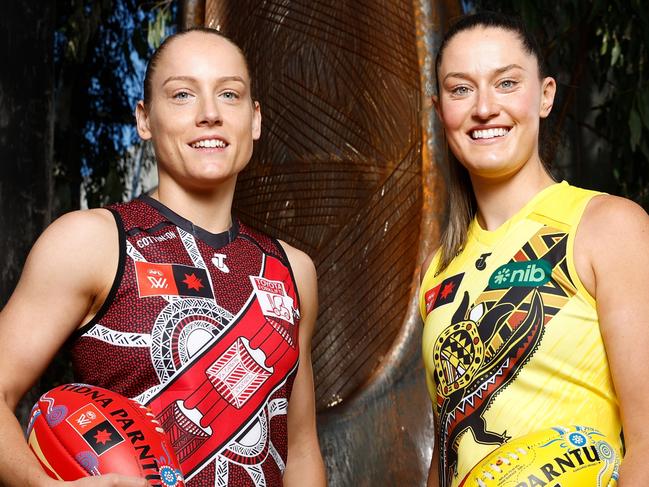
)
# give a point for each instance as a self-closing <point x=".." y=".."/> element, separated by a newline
<point x="606" y="214"/>
<point x="87" y="230"/>
<point x="613" y="226"/>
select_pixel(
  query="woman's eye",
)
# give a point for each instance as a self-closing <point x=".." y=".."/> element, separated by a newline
<point x="460" y="91"/>
<point x="181" y="95"/>
<point x="507" y="84"/>
<point x="230" y="95"/>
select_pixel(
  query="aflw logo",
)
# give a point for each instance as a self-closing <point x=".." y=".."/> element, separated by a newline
<point x="529" y="273"/>
<point x="158" y="282"/>
<point x="161" y="279"/>
<point x="156" y="279"/>
<point x="86" y="419"/>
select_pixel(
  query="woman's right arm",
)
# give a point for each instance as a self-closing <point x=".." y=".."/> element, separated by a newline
<point x="433" y="472"/>
<point x="68" y="271"/>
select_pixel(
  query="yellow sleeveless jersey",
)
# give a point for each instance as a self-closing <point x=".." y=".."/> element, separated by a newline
<point x="511" y="339"/>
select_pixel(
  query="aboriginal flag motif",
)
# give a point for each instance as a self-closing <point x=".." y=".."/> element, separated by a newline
<point x="93" y="426"/>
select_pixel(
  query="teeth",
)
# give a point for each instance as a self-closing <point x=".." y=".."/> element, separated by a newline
<point x="209" y="143"/>
<point x="489" y="133"/>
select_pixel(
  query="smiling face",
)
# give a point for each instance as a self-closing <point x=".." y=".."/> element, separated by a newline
<point x="200" y="117"/>
<point x="490" y="101"/>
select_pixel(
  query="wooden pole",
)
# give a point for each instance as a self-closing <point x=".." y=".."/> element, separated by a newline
<point x="192" y="14"/>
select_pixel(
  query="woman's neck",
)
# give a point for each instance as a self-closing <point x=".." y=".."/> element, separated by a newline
<point x="210" y="209"/>
<point x="499" y="200"/>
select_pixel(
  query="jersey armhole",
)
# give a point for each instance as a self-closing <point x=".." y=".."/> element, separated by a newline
<point x="297" y="296"/>
<point x="428" y="276"/>
<point x="116" y="281"/>
<point x="572" y="269"/>
<point x="290" y="269"/>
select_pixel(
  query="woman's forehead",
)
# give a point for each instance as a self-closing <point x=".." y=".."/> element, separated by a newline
<point x="485" y="47"/>
<point x="201" y="53"/>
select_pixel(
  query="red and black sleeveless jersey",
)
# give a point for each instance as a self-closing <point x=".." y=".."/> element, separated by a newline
<point x="203" y="328"/>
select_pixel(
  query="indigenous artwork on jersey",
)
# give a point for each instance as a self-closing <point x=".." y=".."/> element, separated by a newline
<point x="492" y="336"/>
<point x="211" y="329"/>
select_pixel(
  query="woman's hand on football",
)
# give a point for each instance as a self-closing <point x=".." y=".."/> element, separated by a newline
<point x="109" y="480"/>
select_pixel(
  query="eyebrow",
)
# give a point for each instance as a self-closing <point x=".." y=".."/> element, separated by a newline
<point x="495" y="72"/>
<point x="222" y="79"/>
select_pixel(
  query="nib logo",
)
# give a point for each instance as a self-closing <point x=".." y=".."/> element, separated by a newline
<point x="532" y="273"/>
<point x="502" y="276"/>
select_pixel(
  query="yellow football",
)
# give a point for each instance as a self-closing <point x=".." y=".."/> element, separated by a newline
<point x="576" y="456"/>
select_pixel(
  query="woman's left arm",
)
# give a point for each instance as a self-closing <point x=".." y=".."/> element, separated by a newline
<point x="304" y="466"/>
<point x="612" y="258"/>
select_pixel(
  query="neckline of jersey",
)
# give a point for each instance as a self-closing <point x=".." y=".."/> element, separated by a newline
<point x="489" y="237"/>
<point x="214" y="240"/>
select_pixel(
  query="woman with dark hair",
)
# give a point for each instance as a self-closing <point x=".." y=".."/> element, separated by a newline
<point x="535" y="309"/>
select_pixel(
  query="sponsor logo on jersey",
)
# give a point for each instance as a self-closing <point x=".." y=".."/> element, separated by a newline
<point x="219" y="262"/>
<point x="273" y="299"/>
<point x="146" y="241"/>
<point x="155" y="279"/>
<point x="443" y="293"/>
<point x="481" y="262"/>
<point x="431" y="296"/>
<point x="531" y="273"/>
<point x="94" y="428"/>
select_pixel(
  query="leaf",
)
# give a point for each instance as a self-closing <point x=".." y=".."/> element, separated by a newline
<point x="604" y="35"/>
<point x="616" y="51"/>
<point x="158" y="27"/>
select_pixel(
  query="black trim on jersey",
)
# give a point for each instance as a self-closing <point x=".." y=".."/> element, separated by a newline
<point x="290" y="270"/>
<point x="278" y="255"/>
<point x="138" y="230"/>
<point x="116" y="282"/>
<point x="214" y="240"/>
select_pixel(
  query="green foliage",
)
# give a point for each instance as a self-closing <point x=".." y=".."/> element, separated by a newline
<point x="101" y="48"/>
<point x="599" y="52"/>
<point x="157" y="28"/>
<point x="621" y="73"/>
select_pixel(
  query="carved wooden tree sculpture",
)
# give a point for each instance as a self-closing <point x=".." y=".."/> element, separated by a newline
<point x="345" y="170"/>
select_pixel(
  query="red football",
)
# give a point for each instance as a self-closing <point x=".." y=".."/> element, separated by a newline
<point x="78" y="430"/>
